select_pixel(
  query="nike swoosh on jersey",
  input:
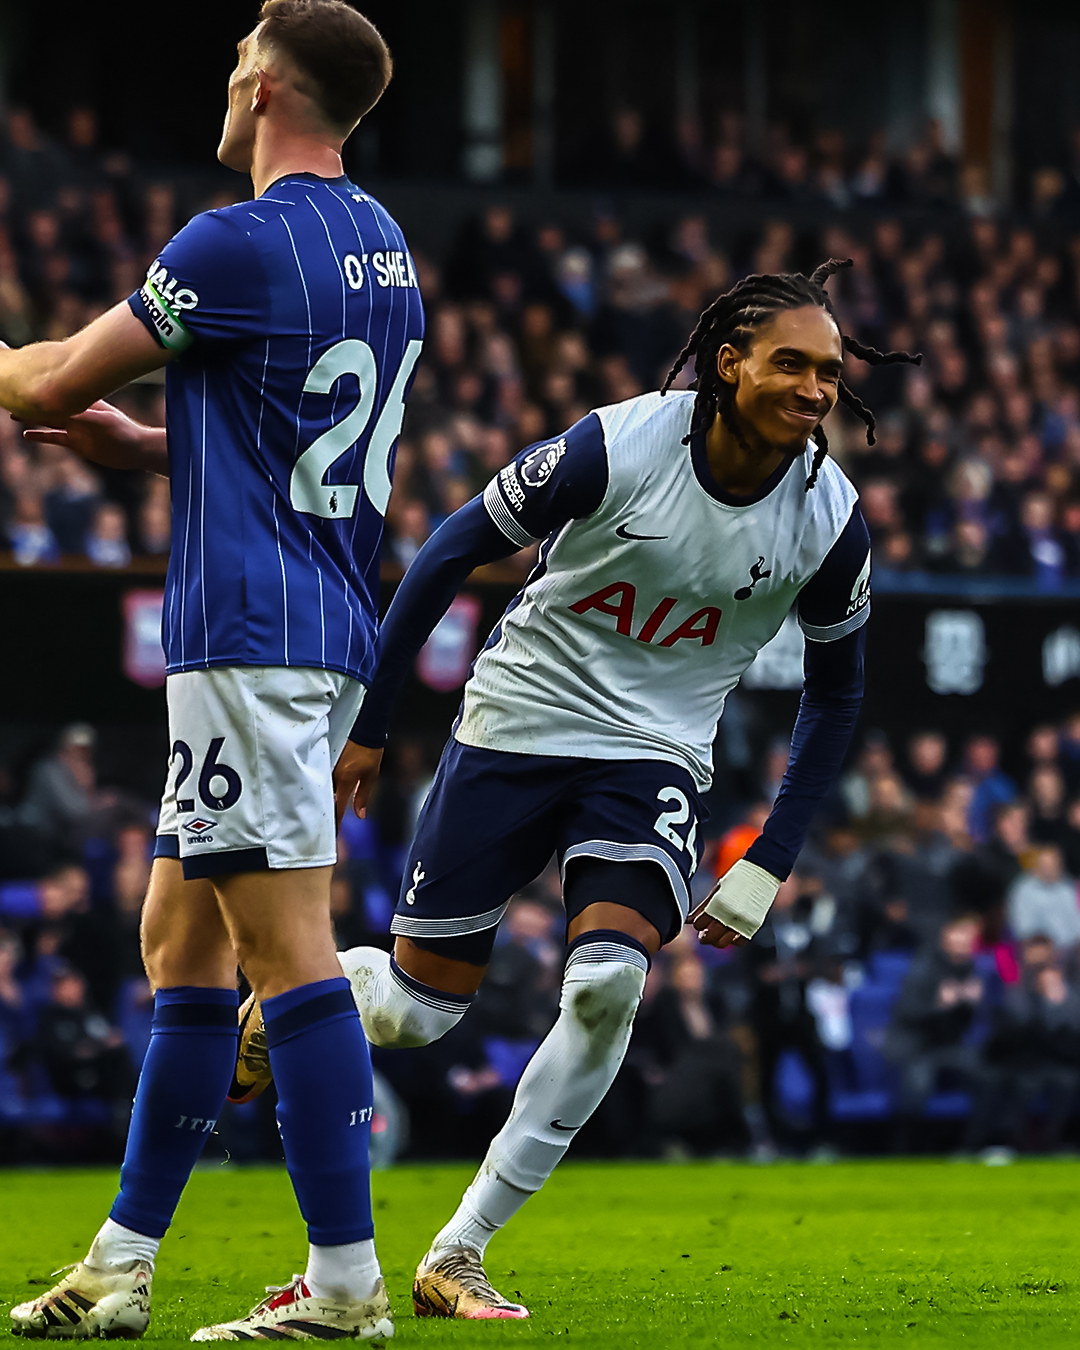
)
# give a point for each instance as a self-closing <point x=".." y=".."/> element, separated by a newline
<point x="624" y="533"/>
<point x="558" y="1125"/>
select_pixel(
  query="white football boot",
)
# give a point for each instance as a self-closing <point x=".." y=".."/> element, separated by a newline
<point x="291" y="1312"/>
<point x="90" y="1302"/>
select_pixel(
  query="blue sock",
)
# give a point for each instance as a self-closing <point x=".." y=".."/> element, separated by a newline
<point x="322" y="1072"/>
<point x="182" y="1087"/>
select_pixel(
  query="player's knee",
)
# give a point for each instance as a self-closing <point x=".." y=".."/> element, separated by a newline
<point x="397" y="1012"/>
<point x="603" y="983"/>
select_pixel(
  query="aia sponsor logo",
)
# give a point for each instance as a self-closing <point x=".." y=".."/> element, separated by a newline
<point x="620" y="601"/>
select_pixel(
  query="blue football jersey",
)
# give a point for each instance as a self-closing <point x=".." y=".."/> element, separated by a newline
<point x="297" y="323"/>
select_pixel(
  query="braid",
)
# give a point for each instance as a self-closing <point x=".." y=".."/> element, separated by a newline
<point x="733" y="317"/>
<point x="819" y="457"/>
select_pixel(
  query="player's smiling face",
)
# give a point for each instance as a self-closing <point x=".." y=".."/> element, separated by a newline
<point x="787" y="379"/>
<point x="238" y="134"/>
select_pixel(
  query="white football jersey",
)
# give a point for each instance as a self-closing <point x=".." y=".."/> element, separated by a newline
<point x="643" y="613"/>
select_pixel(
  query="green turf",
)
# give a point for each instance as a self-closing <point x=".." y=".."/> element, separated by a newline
<point x="876" y="1254"/>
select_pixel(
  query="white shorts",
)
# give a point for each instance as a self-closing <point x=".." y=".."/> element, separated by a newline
<point x="250" y="776"/>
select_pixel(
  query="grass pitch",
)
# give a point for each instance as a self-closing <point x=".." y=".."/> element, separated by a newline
<point x="892" y="1253"/>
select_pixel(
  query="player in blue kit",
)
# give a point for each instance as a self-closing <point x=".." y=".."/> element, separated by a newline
<point x="679" y="530"/>
<point x="290" y="326"/>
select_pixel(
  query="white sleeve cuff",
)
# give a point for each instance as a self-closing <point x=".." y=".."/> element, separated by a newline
<point x="502" y="517"/>
<point x="835" y="631"/>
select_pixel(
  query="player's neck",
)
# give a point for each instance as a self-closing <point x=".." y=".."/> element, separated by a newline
<point x="279" y="153"/>
<point x="740" y="464"/>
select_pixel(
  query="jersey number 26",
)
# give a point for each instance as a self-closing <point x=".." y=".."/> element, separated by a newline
<point x="333" y="501"/>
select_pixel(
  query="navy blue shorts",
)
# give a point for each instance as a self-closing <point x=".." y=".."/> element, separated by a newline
<point x="493" y="819"/>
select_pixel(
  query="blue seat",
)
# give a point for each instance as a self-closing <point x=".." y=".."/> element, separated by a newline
<point x="889" y="968"/>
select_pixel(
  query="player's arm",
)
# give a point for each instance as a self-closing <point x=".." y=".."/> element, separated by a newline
<point x="536" y="494"/>
<point x="59" y="387"/>
<point x="833" y="609"/>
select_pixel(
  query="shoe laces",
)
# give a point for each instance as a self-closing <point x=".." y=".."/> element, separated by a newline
<point x="463" y="1264"/>
<point x="274" y="1294"/>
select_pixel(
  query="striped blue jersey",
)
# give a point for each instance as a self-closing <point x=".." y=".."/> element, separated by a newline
<point x="296" y="320"/>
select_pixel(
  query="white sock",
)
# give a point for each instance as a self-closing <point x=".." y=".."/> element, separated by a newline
<point x="346" y="1274"/>
<point x="116" y="1245"/>
<point x="395" y="1010"/>
<point x="563" y="1084"/>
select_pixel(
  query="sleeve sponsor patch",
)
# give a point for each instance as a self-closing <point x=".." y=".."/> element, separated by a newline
<point x="538" y="466"/>
<point x="860" y="592"/>
<point x="164" y="302"/>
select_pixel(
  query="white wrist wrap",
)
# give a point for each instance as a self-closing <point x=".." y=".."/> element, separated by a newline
<point x="742" y="899"/>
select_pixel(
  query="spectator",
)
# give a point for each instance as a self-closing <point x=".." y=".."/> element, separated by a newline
<point x="980" y="880"/>
<point x="1043" y="902"/>
<point x="992" y="786"/>
<point x="927" y="765"/>
<point x="733" y="844"/>
<point x="83" y="1055"/>
<point x="106" y="544"/>
<point x="62" y="793"/>
<point x="1036" y="1045"/>
<point x="782" y="959"/>
<point x="1046" y="792"/>
<point x="694" y="1065"/>
<point x="930" y="1036"/>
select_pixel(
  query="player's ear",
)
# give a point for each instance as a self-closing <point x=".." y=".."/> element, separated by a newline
<point x="727" y="363"/>
<point x="260" y="96"/>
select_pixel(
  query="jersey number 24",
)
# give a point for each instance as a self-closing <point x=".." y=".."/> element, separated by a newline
<point x="308" y="491"/>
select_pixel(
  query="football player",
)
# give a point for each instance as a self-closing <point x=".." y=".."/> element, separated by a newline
<point x="678" y="529"/>
<point x="290" y="326"/>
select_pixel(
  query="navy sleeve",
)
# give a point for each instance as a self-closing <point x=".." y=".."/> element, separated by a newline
<point x="828" y="711"/>
<point x="836" y="599"/>
<point x="467" y="540"/>
<point x="208" y="285"/>
<point x="549" y="483"/>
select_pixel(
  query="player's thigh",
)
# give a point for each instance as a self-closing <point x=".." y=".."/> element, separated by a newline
<point x="279" y="924"/>
<point x="642" y="818"/>
<point x="251" y="781"/>
<point x="486" y="829"/>
<point x="626" y="897"/>
<point x="184" y="938"/>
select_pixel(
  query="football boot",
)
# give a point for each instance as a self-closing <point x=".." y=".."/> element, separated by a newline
<point x="452" y="1283"/>
<point x="292" y="1312"/>
<point x="89" y="1302"/>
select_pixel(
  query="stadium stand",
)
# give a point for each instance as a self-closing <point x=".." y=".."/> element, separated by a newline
<point x="975" y="475"/>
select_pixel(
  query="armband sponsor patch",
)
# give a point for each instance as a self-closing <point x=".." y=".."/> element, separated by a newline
<point x="165" y="301"/>
<point x="511" y="486"/>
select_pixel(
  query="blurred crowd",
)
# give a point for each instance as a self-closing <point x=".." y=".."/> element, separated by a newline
<point x="976" y="463"/>
<point x="720" y="159"/>
<point x="916" y="985"/>
<point x="975" y="469"/>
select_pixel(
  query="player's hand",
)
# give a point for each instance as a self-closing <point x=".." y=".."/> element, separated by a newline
<point x="354" y="777"/>
<point x="102" y="434"/>
<point x="736" y="907"/>
<point x="713" y="933"/>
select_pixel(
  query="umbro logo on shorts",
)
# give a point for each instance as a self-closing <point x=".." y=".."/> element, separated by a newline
<point x="199" y="825"/>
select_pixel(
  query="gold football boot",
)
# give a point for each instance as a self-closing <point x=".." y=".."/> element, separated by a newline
<point x="453" y="1284"/>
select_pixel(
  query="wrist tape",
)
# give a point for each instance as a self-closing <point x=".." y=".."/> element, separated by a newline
<point x="743" y="898"/>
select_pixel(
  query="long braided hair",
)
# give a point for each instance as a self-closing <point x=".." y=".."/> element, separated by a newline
<point x="731" y="320"/>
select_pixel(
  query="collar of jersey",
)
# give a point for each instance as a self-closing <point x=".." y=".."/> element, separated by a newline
<point x="700" y="460"/>
<point x="308" y="178"/>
